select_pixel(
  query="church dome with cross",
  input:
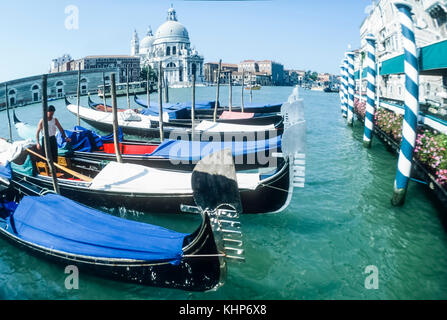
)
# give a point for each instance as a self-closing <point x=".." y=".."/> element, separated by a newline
<point x="171" y="47"/>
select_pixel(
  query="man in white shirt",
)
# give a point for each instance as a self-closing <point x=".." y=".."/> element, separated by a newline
<point x="53" y="125"/>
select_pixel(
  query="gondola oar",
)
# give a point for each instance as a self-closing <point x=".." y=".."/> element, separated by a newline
<point x="69" y="171"/>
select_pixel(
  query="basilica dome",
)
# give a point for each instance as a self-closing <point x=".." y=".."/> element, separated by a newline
<point x="171" y="30"/>
<point x="146" y="42"/>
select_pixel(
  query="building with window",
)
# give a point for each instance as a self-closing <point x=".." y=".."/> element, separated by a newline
<point x="29" y="90"/>
<point x="211" y="68"/>
<point x="430" y="20"/>
<point x="171" y="47"/>
<point x="61" y="64"/>
<point x="265" y="67"/>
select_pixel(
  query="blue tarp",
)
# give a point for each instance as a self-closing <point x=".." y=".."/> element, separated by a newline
<point x="5" y="172"/>
<point x="196" y="150"/>
<point x="175" y="110"/>
<point x="61" y="224"/>
<point x="84" y="140"/>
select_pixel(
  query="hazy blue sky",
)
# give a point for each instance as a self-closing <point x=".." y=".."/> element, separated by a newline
<point x="304" y="34"/>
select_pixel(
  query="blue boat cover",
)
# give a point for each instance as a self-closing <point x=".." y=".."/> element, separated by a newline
<point x="196" y="150"/>
<point x="84" y="140"/>
<point x="174" y="110"/>
<point x="57" y="223"/>
<point x="6" y="172"/>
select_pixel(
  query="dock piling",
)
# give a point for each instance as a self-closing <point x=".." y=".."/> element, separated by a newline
<point x="230" y="91"/>
<point x="116" y="140"/>
<point x="104" y="91"/>
<point x="148" y="89"/>
<point x="78" y="91"/>
<point x="7" y="113"/>
<point x="242" y="91"/>
<point x="217" y="91"/>
<point x="346" y="87"/>
<point x="160" y="101"/>
<point x="351" y="88"/>
<point x="193" y="106"/>
<point x="409" y="127"/>
<point x="370" y="90"/>
<point x="166" y="90"/>
<point x="127" y="86"/>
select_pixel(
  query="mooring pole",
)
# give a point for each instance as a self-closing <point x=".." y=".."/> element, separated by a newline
<point x="148" y="89"/>
<point x="242" y="91"/>
<point x="166" y="90"/>
<point x="104" y="91"/>
<point x="127" y="86"/>
<point x="193" y="107"/>
<point x="46" y="137"/>
<point x="409" y="127"/>
<point x="7" y="112"/>
<point x="230" y="91"/>
<point x="342" y="89"/>
<point x="160" y="101"/>
<point x="346" y="81"/>
<point x="79" y="93"/>
<point x="116" y="140"/>
<point x="351" y="88"/>
<point x="217" y="91"/>
<point x="360" y="77"/>
<point x="251" y="89"/>
<point x="370" y="90"/>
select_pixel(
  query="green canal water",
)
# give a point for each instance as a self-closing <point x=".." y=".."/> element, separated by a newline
<point x="318" y="248"/>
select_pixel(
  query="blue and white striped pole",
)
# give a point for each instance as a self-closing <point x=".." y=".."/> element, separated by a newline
<point x="343" y="98"/>
<point x="346" y="85"/>
<point x="351" y="87"/>
<point x="411" y="104"/>
<point x="341" y="90"/>
<point x="370" y="90"/>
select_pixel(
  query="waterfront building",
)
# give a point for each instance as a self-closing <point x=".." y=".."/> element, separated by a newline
<point x="430" y="18"/>
<point x="28" y="90"/>
<point x="60" y="64"/>
<point x="265" y="67"/>
<point x="171" y="47"/>
<point x="116" y="62"/>
<point x="210" y="71"/>
<point x="122" y="63"/>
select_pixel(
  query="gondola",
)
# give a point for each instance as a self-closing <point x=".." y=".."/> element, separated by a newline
<point x="63" y="231"/>
<point x="88" y="148"/>
<point x="136" y="124"/>
<point x="206" y="108"/>
<point x="180" y="114"/>
<point x="148" y="189"/>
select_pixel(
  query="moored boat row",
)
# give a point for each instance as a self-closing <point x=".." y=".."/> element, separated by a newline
<point x="149" y="181"/>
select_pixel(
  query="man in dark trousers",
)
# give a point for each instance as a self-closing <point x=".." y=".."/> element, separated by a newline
<point x="53" y="125"/>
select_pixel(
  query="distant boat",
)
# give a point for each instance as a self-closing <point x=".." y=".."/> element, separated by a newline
<point x="121" y="89"/>
<point x="253" y="87"/>
<point x="331" y="89"/>
<point x="317" y="89"/>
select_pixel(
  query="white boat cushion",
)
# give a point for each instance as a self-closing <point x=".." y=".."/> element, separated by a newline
<point x="125" y="177"/>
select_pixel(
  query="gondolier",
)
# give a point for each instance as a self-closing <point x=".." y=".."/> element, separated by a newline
<point x="53" y="125"/>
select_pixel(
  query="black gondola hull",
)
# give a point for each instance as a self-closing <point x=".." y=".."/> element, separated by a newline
<point x="177" y="133"/>
<point x="270" y="196"/>
<point x="202" y="272"/>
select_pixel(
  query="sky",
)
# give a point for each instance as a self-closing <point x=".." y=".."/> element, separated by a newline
<point x="300" y="34"/>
